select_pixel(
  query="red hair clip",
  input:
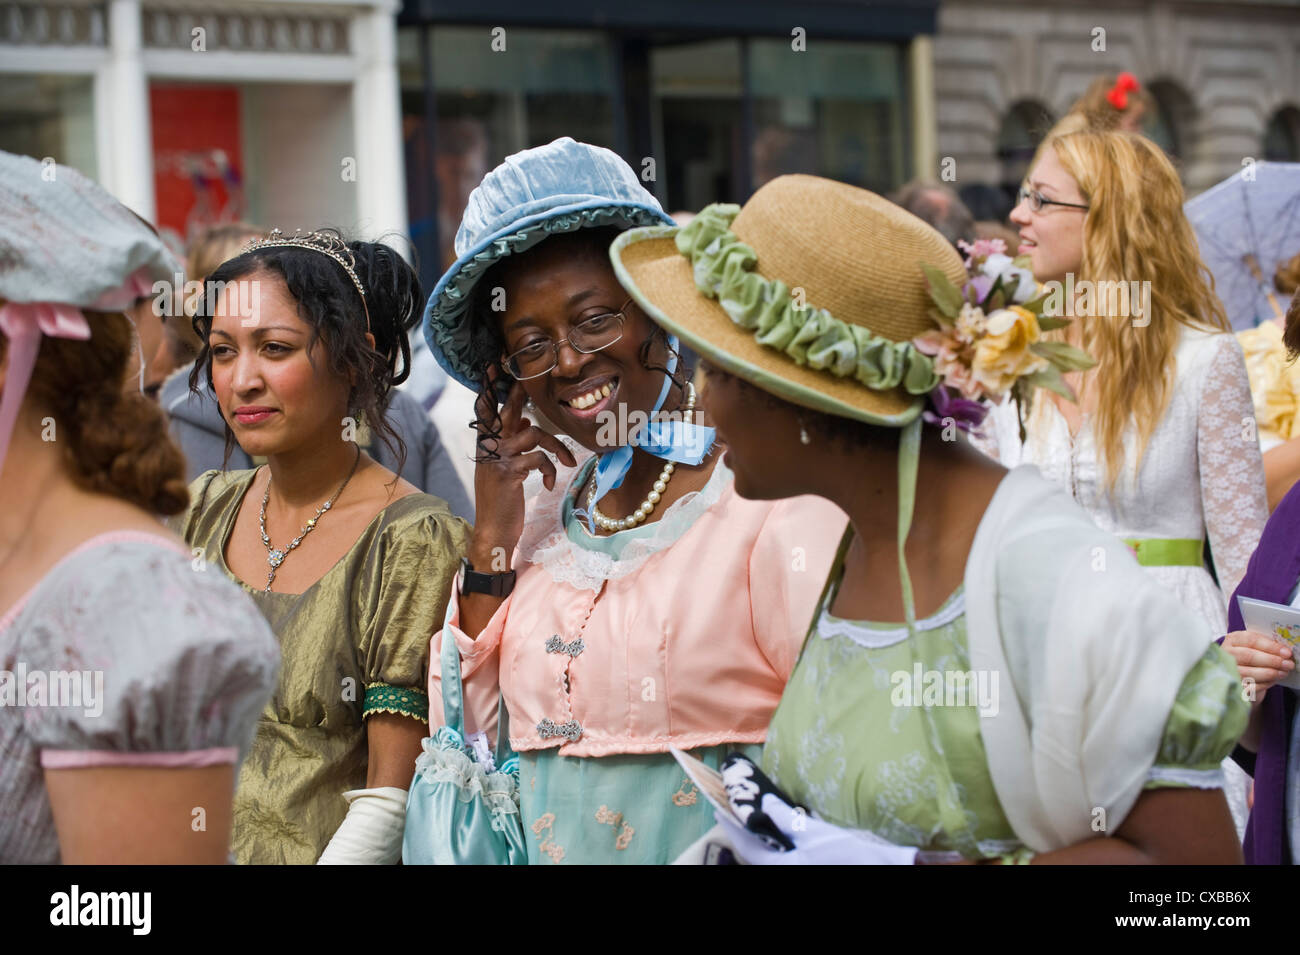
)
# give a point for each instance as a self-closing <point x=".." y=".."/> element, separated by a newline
<point x="1125" y="83"/>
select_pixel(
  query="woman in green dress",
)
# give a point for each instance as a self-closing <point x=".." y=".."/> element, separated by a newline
<point x="350" y="564"/>
<point x="1028" y="694"/>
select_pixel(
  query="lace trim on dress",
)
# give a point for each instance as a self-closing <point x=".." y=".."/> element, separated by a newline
<point x="437" y="764"/>
<point x="545" y="542"/>
<point x="1182" y="776"/>
<point x="386" y="698"/>
<point x="874" y="639"/>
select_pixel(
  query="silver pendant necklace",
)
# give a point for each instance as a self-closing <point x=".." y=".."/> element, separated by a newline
<point x="276" y="557"/>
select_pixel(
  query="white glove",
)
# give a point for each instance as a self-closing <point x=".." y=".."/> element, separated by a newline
<point x="816" y="842"/>
<point x="371" y="832"/>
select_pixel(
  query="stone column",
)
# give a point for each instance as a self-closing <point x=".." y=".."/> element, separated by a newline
<point x="123" y="131"/>
<point x="920" y="68"/>
<point x="377" y="125"/>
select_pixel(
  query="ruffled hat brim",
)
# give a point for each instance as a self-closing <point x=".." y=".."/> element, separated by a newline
<point x="447" y="329"/>
<point x="661" y="281"/>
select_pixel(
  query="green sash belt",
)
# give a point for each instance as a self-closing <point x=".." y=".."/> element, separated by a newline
<point x="1166" y="552"/>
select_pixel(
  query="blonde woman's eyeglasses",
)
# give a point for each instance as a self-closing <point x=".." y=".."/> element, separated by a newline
<point x="1037" y="200"/>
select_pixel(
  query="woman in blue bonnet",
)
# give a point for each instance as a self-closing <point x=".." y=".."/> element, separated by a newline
<point x="618" y="594"/>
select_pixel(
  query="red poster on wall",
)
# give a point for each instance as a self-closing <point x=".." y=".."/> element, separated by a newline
<point x="198" y="157"/>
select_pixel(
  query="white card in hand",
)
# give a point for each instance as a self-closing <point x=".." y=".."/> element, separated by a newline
<point x="1278" y="621"/>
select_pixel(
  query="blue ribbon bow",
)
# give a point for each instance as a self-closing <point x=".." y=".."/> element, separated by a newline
<point x="671" y="440"/>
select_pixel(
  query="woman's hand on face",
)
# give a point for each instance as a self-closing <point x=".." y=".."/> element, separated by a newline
<point x="499" y="482"/>
<point x="1259" y="658"/>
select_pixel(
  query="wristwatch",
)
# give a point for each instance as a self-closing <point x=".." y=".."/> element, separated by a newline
<point x="495" y="585"/>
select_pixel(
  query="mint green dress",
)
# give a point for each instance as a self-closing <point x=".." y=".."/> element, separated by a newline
<point x="637" y="809"/>
<point x="852" y="741"/>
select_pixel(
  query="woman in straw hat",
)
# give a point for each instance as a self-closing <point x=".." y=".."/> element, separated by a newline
<point x="131" y="684"/>
<point x="1032" y="693"/>
<point x="624" y="599"/>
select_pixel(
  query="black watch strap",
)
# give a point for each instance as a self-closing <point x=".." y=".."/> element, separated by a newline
<point x="494" y="585"/>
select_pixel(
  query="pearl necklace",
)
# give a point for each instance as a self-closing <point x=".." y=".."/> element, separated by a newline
<point x="656" y="491"/>
<point x="276" y="557"/>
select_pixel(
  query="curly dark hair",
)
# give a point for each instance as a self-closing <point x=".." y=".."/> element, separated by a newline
<point x="332" y="306"/>
<point x="487" y="349"/>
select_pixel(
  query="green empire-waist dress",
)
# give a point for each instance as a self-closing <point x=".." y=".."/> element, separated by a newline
<point x="852" y="743"/>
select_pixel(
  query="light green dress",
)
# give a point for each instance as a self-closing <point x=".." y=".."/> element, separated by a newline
<point x="875" y="731"/>
<point x="638" y="809"/>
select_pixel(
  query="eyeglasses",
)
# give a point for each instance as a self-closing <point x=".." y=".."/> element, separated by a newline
<point x="1037" y="200"/>
<point x="587" y="337"/>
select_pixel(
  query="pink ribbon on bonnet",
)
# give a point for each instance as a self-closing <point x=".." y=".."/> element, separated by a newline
<point x="23" y="323"/>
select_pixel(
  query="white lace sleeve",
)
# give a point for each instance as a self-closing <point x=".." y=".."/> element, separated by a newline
<point x="1232" y="471"/>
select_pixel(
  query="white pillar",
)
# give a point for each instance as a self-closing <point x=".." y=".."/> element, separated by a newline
<point x="123" y="133"/>
<point x="377" y="124"/>
<point x="925" y="149"/>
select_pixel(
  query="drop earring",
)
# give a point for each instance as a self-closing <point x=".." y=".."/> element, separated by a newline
<point x="803" y="433"/>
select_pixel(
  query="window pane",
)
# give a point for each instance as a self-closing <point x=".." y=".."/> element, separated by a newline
<point x="50" y="116"/>
<point x="835" y="109"/>
<point x="494" y="102"/>
<point x="697" y="91"/>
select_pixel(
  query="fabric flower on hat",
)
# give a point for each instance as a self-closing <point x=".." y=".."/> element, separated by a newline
<point x="1003" y="355"/>
<point x="951" y="363"/>
<point x="970" y="324"/>
<point x="1001" y="266"/>
<point x="984" y="348"/>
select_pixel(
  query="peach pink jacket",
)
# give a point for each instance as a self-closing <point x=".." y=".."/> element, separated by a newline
<point x="687" y="639"/>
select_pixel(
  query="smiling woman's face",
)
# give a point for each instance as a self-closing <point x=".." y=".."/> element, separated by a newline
<point x="549" y="290"/>
<point x="274" y="393"/>
<point x="1053" y="236"/>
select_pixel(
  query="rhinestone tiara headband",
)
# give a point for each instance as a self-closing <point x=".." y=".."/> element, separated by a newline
<point x="322" y="242"/>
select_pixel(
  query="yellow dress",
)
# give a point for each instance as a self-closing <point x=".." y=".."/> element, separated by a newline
<point x="1274" y="384"/>
<point x="356" y="642"/>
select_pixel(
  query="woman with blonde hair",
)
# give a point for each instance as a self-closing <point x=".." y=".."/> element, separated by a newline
<point x="1111" y="102"/>
<point x="1160" y="448"/>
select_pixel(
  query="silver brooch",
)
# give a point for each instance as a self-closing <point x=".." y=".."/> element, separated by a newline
<point x="556" y="645"/>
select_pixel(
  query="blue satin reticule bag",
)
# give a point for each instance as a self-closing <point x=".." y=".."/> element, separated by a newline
<point x="463" y="807"/>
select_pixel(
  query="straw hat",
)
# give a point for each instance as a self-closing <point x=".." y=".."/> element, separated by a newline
<point x="819" y="248"/>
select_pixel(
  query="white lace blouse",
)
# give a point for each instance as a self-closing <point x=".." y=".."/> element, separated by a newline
<point x="1201" y="475"/>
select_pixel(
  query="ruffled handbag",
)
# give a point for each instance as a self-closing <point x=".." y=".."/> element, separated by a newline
<point x="463" y="805"/>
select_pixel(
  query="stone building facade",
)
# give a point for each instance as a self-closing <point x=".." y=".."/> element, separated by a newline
<point x="1225" y="78"/>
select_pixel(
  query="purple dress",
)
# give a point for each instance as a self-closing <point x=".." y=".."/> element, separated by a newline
<point x="1272" y="574"/>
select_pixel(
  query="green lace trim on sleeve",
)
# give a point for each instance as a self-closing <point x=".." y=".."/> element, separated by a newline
<point x="385" y="698"/>
<point x="724" y="269"/>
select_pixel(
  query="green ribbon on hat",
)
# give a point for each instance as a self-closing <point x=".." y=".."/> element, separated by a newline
<point x="723" y="268"/>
